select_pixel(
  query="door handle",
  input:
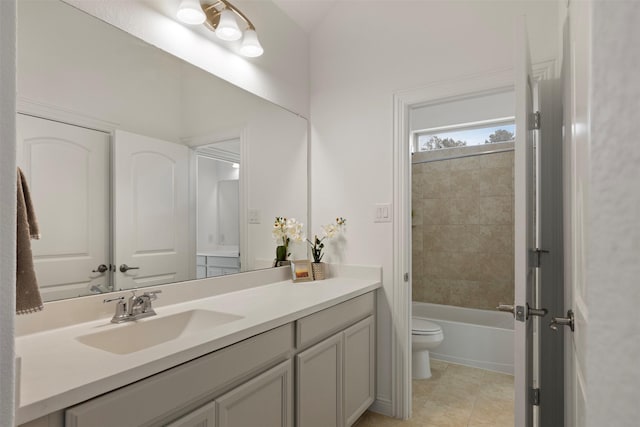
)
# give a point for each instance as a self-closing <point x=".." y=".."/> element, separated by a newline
<point x="101" y="269"/>
<point x="521" y="313"/>
<point x="563" y="321"/>
<point x="506" y="308"/>
<point x="124" y="268"/>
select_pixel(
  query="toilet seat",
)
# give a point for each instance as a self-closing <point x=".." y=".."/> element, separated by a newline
<point x="424" y="327"/>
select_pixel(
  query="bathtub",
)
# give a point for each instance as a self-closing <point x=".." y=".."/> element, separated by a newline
<point x="472" y="337"/>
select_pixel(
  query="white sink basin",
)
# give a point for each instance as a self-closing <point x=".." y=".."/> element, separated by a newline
<point x="139" y="335"/>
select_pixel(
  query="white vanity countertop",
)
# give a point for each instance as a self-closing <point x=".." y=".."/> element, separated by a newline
<point x="226" y="253"/>
<point x="58" y="371"/>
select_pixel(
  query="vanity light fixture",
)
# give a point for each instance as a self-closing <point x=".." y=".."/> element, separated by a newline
<point x="221" y="17"/>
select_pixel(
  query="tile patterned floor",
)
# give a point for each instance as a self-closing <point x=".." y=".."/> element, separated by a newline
<point x="455" y="396"/>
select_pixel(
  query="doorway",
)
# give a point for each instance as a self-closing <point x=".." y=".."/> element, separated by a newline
<point x="404" y="103"/>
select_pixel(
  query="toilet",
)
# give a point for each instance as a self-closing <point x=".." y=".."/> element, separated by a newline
<point x="425" y="336"/>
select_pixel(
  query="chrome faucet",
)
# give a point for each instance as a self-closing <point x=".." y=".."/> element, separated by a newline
<point x="137" y="306"/>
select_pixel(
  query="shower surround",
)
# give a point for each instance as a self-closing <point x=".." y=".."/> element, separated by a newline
<point x="462" y="227"/>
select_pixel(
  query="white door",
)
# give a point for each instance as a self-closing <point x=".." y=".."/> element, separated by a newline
<point x="576" y="84"/>
<point x="524" y="228"/>
<point x="67" y="169"/>
<point x="151" y="225"/>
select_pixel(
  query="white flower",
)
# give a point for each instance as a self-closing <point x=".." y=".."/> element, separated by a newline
<point x="284" y="229"/>
<point x="329" y="230"/>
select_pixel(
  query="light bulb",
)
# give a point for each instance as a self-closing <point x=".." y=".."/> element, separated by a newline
<point x="190" y="12"/>
<point x="228" y="27"/>
<point x="251" y="45"/>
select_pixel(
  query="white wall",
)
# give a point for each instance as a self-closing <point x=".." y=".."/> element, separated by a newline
<point x="474" y="109"/>
<point x="361" y="55"/>
<point x="210" y="173"/>
<point x="613" y="246"/>
<point x="277" y="185"/>
<point x="7" y="208"/>
<point x="281" y="75"/>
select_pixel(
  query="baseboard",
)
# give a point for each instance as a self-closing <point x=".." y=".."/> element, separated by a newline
<point x="382" y="406"/>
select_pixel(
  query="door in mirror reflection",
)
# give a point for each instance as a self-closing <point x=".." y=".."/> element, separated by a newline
<point x="151" y="206"/>
<point x="67" y="169"/>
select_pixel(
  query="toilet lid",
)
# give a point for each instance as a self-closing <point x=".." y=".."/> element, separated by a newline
<point x="422" y="326"/>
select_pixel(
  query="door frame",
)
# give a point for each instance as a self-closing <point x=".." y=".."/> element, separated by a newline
<point x="403" y="102"/>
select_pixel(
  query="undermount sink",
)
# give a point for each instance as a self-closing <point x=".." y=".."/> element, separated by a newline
<point x="139" y="335"/>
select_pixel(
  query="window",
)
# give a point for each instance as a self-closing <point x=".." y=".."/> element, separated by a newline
<point x="465" y="135"/>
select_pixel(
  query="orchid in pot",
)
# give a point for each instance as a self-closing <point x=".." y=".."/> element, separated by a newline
<point x="285" y="231"/>
<point x="328" y="231"/>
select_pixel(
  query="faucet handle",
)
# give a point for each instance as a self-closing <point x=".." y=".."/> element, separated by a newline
<point x="121" y="309"/>
<point x="153" y="295"/>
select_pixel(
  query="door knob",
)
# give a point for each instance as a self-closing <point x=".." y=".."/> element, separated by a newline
<point x="124" y="268"/>
<point x="563" y="321"/>
<point x="101" y="269"/>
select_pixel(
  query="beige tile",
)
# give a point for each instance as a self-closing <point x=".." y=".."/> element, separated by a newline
<point x="430" y="237"/>
<point x="465" y="210"/>
<point x="450" y="265"/>
<point x="435" y="291"/>
<point x="496" y="238"/>
<point x="455" y="396"/>
<point x="465" y="163"/>
<point x="495" y="210"/>
<point x="417" y="206"/>
<point x="464" y="183"/>
<point x="444" y="165"/>
<point x="468" y="293"/>
<point x="444" y="414"/>
<point x="489" y="409"/>
<point x="495" y="182"/>
<point x="453" y="238"/>
<point x="499" y="160"/>
<point x="436" y="184"/>
<point x="416" y="239"/>
<point x="434" y="212"/>
<point x="496" y="267"/>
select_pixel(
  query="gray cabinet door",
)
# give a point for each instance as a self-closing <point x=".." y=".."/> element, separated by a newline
<point x="205" y="416"/>
<point x="265" y="401"/>
<point x="319" y="384"/>
<point x="359" y="366"/>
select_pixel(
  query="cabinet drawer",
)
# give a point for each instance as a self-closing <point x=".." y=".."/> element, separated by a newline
<point x="201" y="260"/>
<point x="150" y="400"/>
<point x="214" y="272"/>
<point x="222" y="261"/>
<point x="320" y="325"/>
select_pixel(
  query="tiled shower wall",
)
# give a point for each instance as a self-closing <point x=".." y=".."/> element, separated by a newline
<point x="462" y="228"/>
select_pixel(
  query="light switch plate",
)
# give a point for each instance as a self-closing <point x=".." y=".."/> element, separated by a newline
<point x="383" y="212"/>
<point x="254" y="216"/>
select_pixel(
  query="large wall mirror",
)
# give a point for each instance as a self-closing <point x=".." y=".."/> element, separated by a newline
<point x="144" y="169"/>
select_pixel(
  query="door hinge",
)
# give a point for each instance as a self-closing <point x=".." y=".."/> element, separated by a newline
<point x="406" y="277"/>
<point x="535" y="121"/>
<point x="536" y="255"/>
<point x="535" y="396"/>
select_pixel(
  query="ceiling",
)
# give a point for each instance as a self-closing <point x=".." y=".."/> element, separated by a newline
<point x="306" y="13"/>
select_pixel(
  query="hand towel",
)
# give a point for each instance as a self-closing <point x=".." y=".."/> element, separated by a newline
<point x="28" y="299"/>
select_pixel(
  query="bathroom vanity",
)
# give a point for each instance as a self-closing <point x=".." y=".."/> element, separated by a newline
<point x="278" y="354"/>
